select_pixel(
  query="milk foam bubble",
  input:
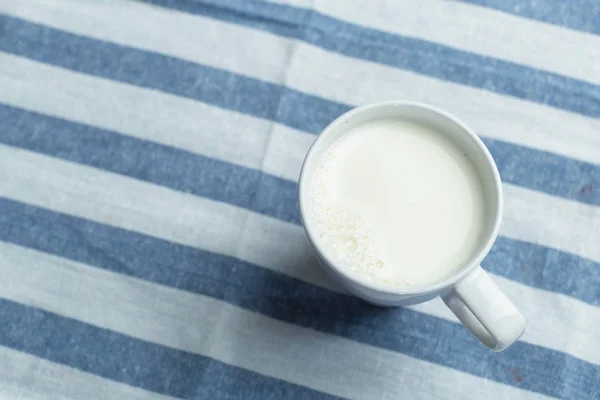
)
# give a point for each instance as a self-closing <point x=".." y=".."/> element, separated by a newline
<point x="397" y="203"/>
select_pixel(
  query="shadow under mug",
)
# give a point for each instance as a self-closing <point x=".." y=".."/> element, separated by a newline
<point x="470" y="293"/>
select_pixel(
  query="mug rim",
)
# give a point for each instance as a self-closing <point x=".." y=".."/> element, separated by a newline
<point x="477" y="257"/>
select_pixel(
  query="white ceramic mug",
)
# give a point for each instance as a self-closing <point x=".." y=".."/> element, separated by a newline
<point x="470" y="293"/>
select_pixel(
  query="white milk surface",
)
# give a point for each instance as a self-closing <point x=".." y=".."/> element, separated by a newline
<point x="397" y="203"/>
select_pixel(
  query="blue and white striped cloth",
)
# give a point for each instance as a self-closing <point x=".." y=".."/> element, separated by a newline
<point x="150" y="245"/>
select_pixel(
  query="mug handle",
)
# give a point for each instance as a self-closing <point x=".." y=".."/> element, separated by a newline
<point x="485" y="310"/>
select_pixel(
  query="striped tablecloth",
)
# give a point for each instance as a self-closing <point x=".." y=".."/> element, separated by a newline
<point x="150" y="243"/>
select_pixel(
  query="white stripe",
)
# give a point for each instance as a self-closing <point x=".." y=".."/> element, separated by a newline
<point x="314" y="70"/>
<point x="475" y="29"/>
<point x="267" y="242"/>
<point x="157" y="211"/>
<point x="141" y="113"/>
<point x="26" y="377"/>
<point x="138" y="112"/>
<point x="215" y="132"/>
<point x="216" y="329"/>
<point x="490" y="114"/>
<point x="566" y="225"/>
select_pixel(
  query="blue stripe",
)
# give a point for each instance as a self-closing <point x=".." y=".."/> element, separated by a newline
<point x="545" y="268"/>
<point x="256" y="289"/>
<point x="136" y="362"/>
<point x="546" y="172"/>
<point x="582" y="15"/>
<point x="151" y="162"/>
<point x="408" y="53"/>
<point x="260" y="192"/>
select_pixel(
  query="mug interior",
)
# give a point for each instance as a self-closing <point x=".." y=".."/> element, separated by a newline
<point x="444" y="123"/>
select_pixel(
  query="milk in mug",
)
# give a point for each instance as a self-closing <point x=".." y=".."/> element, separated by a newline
<point x="398" y="203"/>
